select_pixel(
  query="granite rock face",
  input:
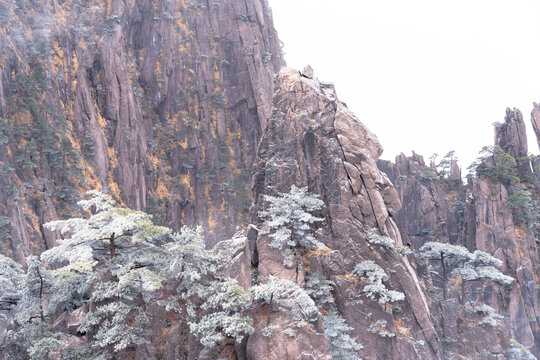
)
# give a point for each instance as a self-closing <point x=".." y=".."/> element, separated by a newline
<point x="313" y="140"/>
<point x="479" y="215"/>
<point x="431" y="209"/>
<point x="511" y="135"/>
<point x="160" y="103"/>
<point x="535" y="120"/>
<point x="175" y="108"/>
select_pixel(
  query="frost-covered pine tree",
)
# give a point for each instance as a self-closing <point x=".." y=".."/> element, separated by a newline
<point x="457" y="261"/>
<point x="36" y="285"/>
<point x="28" y="294"/>
<point x="33" y="339"/>
<point x="11" y="279"/>
<point x="119" y="250"/>
<point x="518" y="352"/>
<point x="375" y="287"/>
<point x="336" y="330"/>
<point x="319" y="288"/>
<point x="342" y="345"/>
<point x="449" y="256"/>
<point x="380" y="240"/>
<point x="224" y="302"/>
<point x="286" y="296"/>
<point x="481" y="266"/>
<point x="490" y="317"/>
<point x="289" y="221"/>
<point x="212" y="304"/>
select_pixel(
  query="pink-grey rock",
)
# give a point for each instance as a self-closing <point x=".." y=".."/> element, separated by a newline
<point x="313" y="140"/>
<point x="76" y="318"/>
<point x="511" y="135"/>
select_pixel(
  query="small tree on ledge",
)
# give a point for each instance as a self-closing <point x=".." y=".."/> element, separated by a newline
<point x="289" y="221"/>
<point x="458" y="261"/>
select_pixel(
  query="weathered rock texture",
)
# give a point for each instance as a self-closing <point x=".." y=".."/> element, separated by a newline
<point x="313" y="140"/>
<point x="431" y="209"/>
<point x="160" y="103"/>
<point x="167" y="105"/>
<point x="511" y="135"/>
<point x="535" y="119"/>
<point x="477" y="215"/>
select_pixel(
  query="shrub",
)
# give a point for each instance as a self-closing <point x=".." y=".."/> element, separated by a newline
<point x="379" y="328"/>
<point x="497" y="164"/>
<point x="381" y="240"/>
<point x="375" y="288"/>
<point x="518" y="352"/>
<point x="429" y="174"/>
<point x="490" y="317"/>
<point x="404" y="250"/>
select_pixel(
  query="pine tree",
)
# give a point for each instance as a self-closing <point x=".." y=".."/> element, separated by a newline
<point x="342" y="346"/>
<point x="211" y="304"/>
<point x="336" y="330"/>
<point x="119" y="250"/>
<point x="284" y="295"/>
<point x="27" y="293"/>
<point x="450" y="256"/>
<point x="481" y="266"/>
<point x="375" y="288"/>
<point x="458" y="262"/>
<point x="36" y="285"/>
<point x="289" y="221"/>
<point x="116" y="260"/>
<point x="11" y="279"/>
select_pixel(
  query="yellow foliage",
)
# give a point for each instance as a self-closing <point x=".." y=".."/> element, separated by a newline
<point x="322" y="251"/>
<point x="162" y="191"/>
<point x="402" y="330"/>
<point x="348" y="277"/>
<point x="520" y="233"/>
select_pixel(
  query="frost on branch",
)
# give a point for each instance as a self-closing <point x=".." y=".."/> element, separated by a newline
<point x="286" y="296"/>
<point x="319" y="288"/>
<point x="197" y="274"/>
<point x="380" y="240"/>
<point x="337" y="332"/>
<point x="289" y="221"/>
<point x="11" y="279"/>
<point x="375" y="288"/>
<point x="117" y="251"/>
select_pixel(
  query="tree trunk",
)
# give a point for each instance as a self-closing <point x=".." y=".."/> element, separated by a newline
<point x="444" y="275"/>
<point x="112" y="247"/>
<point x="41" y="314"/>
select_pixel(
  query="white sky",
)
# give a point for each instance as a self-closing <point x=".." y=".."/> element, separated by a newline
<point x="423" y="75"/>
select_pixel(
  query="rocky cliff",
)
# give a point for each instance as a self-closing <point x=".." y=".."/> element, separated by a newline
<point x="494" y="212"/>
<point x="183" y="109"/>
<point x="160" y="103"/>
<point x="313" y="140"/>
